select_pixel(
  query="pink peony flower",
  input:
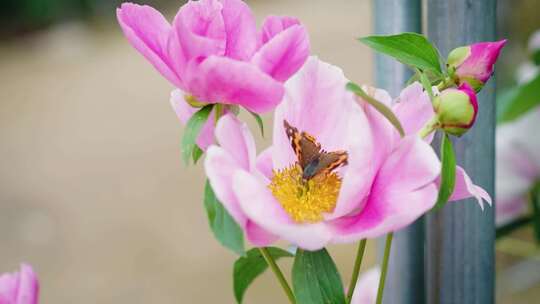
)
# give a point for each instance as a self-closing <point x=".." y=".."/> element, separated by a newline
<point x="19" y="287"/>
<point x="518" y="166"/>
<point x="385" y="184"/>
<point x="474" y="63"/>
<point x="365" y="291"/>
<point x="214" y="53"/>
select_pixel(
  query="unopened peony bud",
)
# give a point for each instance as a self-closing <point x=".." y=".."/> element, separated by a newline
<point x="456" y="109"/>
<point x="473" y="64"/>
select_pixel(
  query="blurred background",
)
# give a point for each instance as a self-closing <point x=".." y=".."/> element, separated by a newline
<point x="93" y="192"/>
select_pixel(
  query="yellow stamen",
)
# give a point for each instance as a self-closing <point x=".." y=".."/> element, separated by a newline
<point x="305" y="201"/>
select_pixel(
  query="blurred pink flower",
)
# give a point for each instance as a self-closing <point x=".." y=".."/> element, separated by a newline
<point x="214" y="53"/>
<point x="474" y="63"/>
<point x="365" y="291"/>
<point x="533" y="45"/>
<point x="387" y="183"/>
<point x="518" y="165"/>
<point x="19" y="287"/>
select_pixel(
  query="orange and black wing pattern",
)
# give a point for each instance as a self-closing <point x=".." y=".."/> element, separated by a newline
<point x="311" y="158"/>
<point x="304" y="145"/>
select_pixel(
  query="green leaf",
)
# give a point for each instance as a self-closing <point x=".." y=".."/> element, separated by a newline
<point x="448" y="172"/>
<point x="224" y="227"/>
<point x="379" y="106"/>
<point x="426" y="83"/>
<point x="259" y="121"/>
<point x="409" y="48"/>
<point x="316" y="279"/>
<point x="192" y="130"/>
<point x="196" y="154"/>
<point x="248" y="268"/>
<point x="520" y="100"/>
<point x="536" y="57"/>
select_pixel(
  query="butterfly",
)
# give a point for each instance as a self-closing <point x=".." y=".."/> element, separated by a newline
<point x="312" y="159"/>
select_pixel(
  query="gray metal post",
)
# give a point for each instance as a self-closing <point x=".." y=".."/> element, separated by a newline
<point x="405" y="280"/>
<point x="460" y="238"/>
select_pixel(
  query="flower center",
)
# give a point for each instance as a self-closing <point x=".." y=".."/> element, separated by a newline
<point x="305" y="200"/>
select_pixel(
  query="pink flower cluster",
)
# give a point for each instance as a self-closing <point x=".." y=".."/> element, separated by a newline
<point x="378" y="181"/>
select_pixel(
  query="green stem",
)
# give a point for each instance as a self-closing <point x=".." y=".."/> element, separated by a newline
<point x="356" y="269"/>
<point x="429" y="127"/>
<point x="278" y="273"/>
<point x="218" y="111"/>
<point x="446" y="83"/>
<point x="384" y="269"/>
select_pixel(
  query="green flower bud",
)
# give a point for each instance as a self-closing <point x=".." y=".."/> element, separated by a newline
<point x="456" y="109"/>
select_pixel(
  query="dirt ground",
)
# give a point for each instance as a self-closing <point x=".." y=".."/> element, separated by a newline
<point x="92" y="189"/>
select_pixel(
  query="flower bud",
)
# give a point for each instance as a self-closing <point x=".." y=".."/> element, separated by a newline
<point x="456" y="109"/>
<point x="473" y="64"/>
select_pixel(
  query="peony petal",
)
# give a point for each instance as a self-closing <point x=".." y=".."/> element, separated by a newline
<point x="148" y="32"/>
<point x="200" y="29"/>
<point x="241" y="30"/>
<point x="359" y="173"/>
<point x="184" y="112"/>
<point x="403" y="190"/>
<point x="464" y="188"/>
<point x="365" y="291"/>
<point x="8" y="287"/>
<point x="479" y="65"/>
<point x="182" y="109"/>
<point x="224" y="80"/>
<point x="273" y="25"/>
<point x="316" y="102"/>
<point x="28" y="286"/>
<point x="414" y="108"/>
<point x="411" y="166"/>
<point x="234" y="136"/>
<point x="384" y="137"/>
<point x="261" y="207"/>
<point x="264" y="163"/>
<point x="384" y="134"/>
<point x="284" y="54"/>
<point x="259" y="237"/>
<point x="220" y="166"/>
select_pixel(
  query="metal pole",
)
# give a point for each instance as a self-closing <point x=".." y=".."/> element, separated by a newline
<point x="460" y="238"/>
<point x="405" y="279"/>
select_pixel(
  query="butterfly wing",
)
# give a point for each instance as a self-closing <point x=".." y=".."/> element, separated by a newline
<point x="310" y="148"/>
<point x="304" y="145"/>
<point x="311" y="158"/>
<point x="325" y="163"/>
